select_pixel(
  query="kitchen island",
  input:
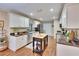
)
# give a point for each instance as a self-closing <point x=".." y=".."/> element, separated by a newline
<point x="40" y="41"/>
<point x="17" y="41"/>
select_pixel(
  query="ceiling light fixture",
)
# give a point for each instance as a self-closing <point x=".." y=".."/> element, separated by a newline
<point x="51" y="9"/>
<point x="31" y="14"/>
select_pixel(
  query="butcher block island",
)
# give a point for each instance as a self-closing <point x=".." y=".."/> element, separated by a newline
<point x="40" y="42"/>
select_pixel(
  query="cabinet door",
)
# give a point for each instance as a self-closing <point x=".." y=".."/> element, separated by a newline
<point x="26" y="22"/>
<point x="73" y="16"/>
<point x="18" y="42"/>
<point x="12" y="43"/>
<point x="24" y="39"/>
<point x="18" y="21"/>
<point x="21" y="21"/>
<point x="21" y="41"/>
<point x="63" y="19"/>
<point x="14" y="20"/>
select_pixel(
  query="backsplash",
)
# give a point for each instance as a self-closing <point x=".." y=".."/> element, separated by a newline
<point x="71" y="37"/>
<point x="13" y="30"/>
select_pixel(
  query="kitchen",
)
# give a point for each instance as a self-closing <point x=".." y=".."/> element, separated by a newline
<point x="18" y="30"/>
<point x="28" y="30"/>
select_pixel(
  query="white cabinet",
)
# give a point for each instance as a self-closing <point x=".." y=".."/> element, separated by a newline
<point x="73" y="15"/>
<point x="14" y="20"/>
<point x="26" y="21"/>
<point x="18" y="21"/>
<point x="70" y="16"/>
<point x="63" y="19"/>
<point x="21" y="21"/>
<point x="17" y="42"/>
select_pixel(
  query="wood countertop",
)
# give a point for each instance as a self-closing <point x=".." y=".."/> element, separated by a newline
<point x="39" y="35"/>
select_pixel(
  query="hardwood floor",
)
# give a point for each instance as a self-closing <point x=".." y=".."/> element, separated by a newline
<point x="49" y="51"/>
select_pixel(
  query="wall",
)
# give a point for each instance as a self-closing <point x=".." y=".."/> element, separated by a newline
<point x="48" y="29"/>
<point x="4" y="16"/>
<point x="41" y="27"/>
<point x="63" y="19"/>
<point x="56" y="27"/>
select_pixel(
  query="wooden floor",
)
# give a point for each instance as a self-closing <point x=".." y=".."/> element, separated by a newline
<point x="49" y="51"/>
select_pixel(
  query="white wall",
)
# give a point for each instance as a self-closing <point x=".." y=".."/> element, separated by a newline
<point x="56" y="27"/>
<point x="48" y="29"/>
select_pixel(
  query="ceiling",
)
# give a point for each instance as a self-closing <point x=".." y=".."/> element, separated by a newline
<point x="40" y="11"/>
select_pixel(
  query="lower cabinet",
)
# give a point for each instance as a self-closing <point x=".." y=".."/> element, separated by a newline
<point x="17" y="42"/>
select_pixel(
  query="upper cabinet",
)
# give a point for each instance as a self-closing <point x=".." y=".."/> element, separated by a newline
<point x="13" y="20"/>
<point x="73" y="15"/>
<point x="27" y="22"/>
<point x="70" y="16"/>
<point x="63" y="19"/>
<point x="18" y="21"/>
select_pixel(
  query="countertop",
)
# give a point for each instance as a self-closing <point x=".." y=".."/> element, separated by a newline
<point x="39" y="35"/>
<point x="18" y="34"/>
<point x="63" y="40"/>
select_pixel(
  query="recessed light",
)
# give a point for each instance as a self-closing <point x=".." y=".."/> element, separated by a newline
<point x="51" y="9"/>
<point x="31" y="14"/>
